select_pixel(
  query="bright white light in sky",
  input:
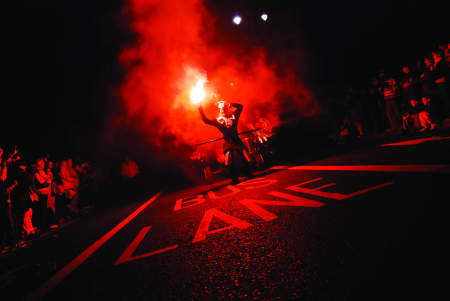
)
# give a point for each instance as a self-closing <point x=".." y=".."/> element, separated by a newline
<point x="237" y="19"/>
<point x="264" y="17"/>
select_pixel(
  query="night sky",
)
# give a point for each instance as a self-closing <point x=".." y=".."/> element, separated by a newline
<point x="62" y="63"/>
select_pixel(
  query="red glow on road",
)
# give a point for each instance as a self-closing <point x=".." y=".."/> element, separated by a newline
<point x="176" y="45"/>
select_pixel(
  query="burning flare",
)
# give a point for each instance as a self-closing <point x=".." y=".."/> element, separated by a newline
<point x="198" y="93"/>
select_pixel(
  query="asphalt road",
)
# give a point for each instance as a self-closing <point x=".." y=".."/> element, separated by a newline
<point x="365" y="224"/>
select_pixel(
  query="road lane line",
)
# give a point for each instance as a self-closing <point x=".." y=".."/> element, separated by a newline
<point x="51" y="283"/>
<point x="415" y="141"/>
<point x="279" y="167"/>
<point x="379" y="168"/>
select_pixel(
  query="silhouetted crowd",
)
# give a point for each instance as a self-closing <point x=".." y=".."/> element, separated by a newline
<point x="412" y="101"/>
<point x="40" y="195"/>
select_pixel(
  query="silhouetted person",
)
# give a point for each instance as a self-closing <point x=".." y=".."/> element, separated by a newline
<point x="428" y="115"/>
<point x="408" y="87"/>
<point x="226" y="122"/>
<point x="440" y="72"/>
<point x="390" y="94"/>
<point x="375" y="104"/>
<point x="411" y="113"/>
<point x="353" y="111"/>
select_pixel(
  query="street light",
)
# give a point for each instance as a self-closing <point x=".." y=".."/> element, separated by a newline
<point x="237" y="19"/>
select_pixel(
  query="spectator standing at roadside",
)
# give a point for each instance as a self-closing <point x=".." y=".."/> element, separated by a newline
<point x="427" y="83"/>
<point x="428" y="115"/>
<point x="391" y="98"/>
<point x="70" y="181"/>
<point x="353" y="111"/>
<point x="6" y="231"/>
<point x="21" y="199"/>
<point x="9" y="230"/>
<point x="440" y="76"/>
<point x="411" y="116"/>
<point x="42" y="185"/>
<point x="376" y="104"/>
<point x="445" y="50"/>
<point x="429" y="88"/>
<point x="408" y="87"/>
<point x="84" y="172"/>
<point x="58" y="193"/>
<point x="51" y="200"/>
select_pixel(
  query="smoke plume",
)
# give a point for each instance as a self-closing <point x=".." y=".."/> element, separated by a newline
<point x="176" y="43"/>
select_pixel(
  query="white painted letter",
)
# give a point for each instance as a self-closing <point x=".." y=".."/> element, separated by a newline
<point x="203" y="229"/>
<point x="257" y="183"/>
<point x="332" y="195"/>
<point x="188" y="202"/>
<point x="292" y="201"/>
<point x="127" y="255"/>
<point x="213" y="196"/>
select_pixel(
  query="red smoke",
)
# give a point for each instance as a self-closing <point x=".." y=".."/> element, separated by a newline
<point x="176" y="43"/>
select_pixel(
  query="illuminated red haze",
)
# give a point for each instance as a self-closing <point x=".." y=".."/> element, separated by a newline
<point x="176" y="45"/>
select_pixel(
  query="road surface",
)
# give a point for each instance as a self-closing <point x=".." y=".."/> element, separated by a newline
<point x="367" y="224"/>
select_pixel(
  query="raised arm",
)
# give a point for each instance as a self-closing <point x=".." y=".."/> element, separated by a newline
<point x="206" y="119"/>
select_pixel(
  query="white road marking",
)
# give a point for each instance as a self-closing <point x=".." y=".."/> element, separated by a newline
<point x="127" y="255"/>
<point x="51" y="283"/>
<point x="325" y="186"/>
<point x="189" y="202"/>
<point x="334" y="195"/>
<point x="293" y="200"/>
<point x="203" y="229"/>
<point x="213" y="196"/>
<point x="415" y="141"/>
<point x="439" y="168"/>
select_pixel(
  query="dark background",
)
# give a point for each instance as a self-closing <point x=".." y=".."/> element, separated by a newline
<point x="61" y="56"/>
